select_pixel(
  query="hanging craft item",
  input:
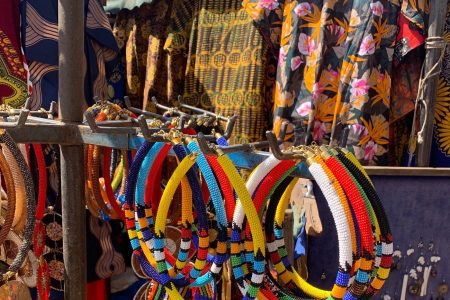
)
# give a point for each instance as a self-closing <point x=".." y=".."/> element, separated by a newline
<point x="365" y="241"/>
<point x="43" y="279"/>
<point x="110" y="262"/>
<point x="22" y="249"/>
<point x="55" y="262"/>
<point x="52" y="222"/>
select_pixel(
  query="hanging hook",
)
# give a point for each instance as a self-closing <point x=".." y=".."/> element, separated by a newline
<point x="278" y="153"/>
<point x="199" y="110"/>
<point x="142" y="112"/>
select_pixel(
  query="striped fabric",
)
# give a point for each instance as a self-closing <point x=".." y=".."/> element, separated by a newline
<point x="40" y="39"/>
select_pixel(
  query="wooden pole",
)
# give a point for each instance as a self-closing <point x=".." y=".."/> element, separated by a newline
<point x="71" y="86"/>
<point x="436" y="29"/>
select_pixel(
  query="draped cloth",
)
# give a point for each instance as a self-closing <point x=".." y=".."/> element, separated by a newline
<point x="13" y="75"/>
<point x="228" y="65"/>
<point x="40" y="36"/>
<point x="335" y="68"/>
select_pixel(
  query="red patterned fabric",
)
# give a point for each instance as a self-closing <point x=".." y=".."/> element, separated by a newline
<point x="13" y="75"/>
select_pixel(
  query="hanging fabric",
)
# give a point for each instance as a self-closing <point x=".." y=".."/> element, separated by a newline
<point x="409" y="56"/>
<point x="40" y="38"/>
<point x="228" y="66"/>
<point x="13" y="75"/>
<point x="334" y="70"/>
<point x="140" y="34"/>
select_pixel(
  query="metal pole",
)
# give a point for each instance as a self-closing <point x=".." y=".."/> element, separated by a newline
<point x="71" y="83"/>
<point x="436" y="29"/>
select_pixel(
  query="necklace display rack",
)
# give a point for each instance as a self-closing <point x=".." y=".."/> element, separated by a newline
<point x="71" y="134"/>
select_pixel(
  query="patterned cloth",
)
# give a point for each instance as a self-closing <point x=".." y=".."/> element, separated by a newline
<point x="334" y="69"/>
<point x="228" y="63"/>
<point x="13" y="76"/>
<point x="440" y="156"/>
<point x="141" y="34"/>
<point x="40" y="36"/>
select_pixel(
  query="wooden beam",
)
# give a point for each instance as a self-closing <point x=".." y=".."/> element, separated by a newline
<point x="436" y="29"/>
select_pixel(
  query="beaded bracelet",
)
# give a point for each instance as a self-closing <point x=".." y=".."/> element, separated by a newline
<point x="43" y="277"/>
<point x="177" y="148"/>
<point x="202" y="226"/>
<point x="268" y="165"/>
<point x="107" y="184"/>
<point x="6" y="139"/>
<point x="282" y="262"/>
<point x="335" y="198"/>
<point x="364" y="225"/>
<point x="216" y="196"/>
<point x="20" y="206"/>
<point x="106" y="210"/>
<point x="384" y="264"/>
<point x="249" y="290"/>
<point x="160" y="223"/>
<point x="91" y="203"/>
<point x="131" y="223"/>
<point x="144" y="213"/>
<point x="11" y="194"/>
<point x="259" y="198"/>
<point x="265" y="190"/>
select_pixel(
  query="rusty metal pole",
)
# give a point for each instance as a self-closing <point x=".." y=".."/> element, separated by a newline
<point x="436" y="29"/>
<point x="71" y="85"/>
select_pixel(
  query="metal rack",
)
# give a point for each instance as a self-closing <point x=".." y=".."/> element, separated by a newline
<point x="69" y="132"/>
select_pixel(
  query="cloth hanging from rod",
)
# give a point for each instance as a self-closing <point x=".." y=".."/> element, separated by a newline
<point x="40" y="38"/>
<point x="440" y="152"/>
<point x="334" y="69"/>
<point x="229" y="67"/>
<point x="150" y="72"/>
<point x="14" y="89"/>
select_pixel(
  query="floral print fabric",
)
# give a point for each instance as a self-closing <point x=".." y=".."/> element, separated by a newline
<point x="334" y="68"/>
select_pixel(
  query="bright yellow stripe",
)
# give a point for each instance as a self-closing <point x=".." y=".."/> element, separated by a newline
<point x="166" y="199"/>
<point x="247" y="203"/>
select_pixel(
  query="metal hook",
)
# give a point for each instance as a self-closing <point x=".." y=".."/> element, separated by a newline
<point x="199" y="110"/>
<point x="230" y="127"/>
<point x="23" y="116"/>
<point x="277" y="152"/>
<point x="146" y="131"/>
<point x="20" y="121"/>
<point x="142" y="112"/>
<point x="204" y="145"/>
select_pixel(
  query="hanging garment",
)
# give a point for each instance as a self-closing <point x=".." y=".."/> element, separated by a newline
<point x="227" y="62"/>
<point x="334" y="70"/>
<point x="13" y="75"/>
<point x="140" y="34"/>
<point x="409" y="56"/>
<point x="40" y="36"/>
<point x="440" y="153"/>
<point x="115" y="6"/>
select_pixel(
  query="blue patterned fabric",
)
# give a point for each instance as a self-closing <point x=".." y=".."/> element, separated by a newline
<point x="104" y="76"/>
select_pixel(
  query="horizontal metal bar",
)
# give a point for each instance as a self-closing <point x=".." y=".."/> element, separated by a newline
<point x="46" y="134"/>
<point x="74" y="134"/>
